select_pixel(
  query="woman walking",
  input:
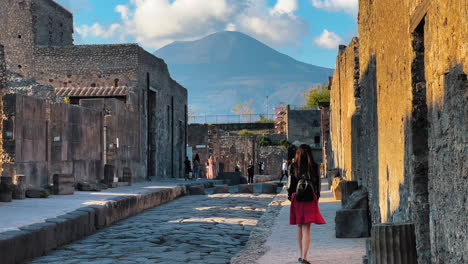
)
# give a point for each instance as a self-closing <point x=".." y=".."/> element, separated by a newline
<point x="302" y="213"/>
<point x="196" y="167"/>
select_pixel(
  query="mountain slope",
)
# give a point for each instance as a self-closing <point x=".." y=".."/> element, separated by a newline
<point x="225" y="68"/>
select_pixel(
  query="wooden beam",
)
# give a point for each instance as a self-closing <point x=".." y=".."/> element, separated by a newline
<point x="419" y="14"/>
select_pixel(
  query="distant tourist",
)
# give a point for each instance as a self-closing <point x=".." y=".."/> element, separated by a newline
<point x="196" y="167"/>
<point x="238" y="167"/>
<point x="263" y="167"/>
<point x="260" y="167"/>
<point x="212" y="171"/>
<point x="250" y="172"/>
<point x="284" y="170"/>
<point x="304" y="180"/>
<point x="188" y="168"/>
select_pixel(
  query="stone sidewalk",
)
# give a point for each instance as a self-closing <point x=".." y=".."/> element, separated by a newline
<point x="32" y="227"/>
<point x="30" y="211"/>
<point x="324" y="249"/>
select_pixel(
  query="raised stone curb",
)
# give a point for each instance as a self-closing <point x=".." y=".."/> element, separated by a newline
<point x="37" y="239"/>
<point x="269" y="188"/>
<point x="197" y="189"/>
<point x="246" y="188"/>
<point x="255" y="247"/>
<point x="221" y="189"/>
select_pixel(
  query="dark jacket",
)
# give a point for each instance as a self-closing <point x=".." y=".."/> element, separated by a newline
<point x="251" y="170"/>
<point x="293" y="180"/>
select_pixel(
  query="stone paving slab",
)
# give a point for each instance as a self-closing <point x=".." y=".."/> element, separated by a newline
<point x="198" y="229"/>
<point x="324" y="249"/>
<point x="32" y="227"/>
<point x="30" y="211"/>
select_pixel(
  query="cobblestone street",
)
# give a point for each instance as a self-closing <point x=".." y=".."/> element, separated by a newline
<point x="192" y="229"/>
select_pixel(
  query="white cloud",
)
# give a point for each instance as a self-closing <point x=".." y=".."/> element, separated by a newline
<point x="348" y="6"/>
<point x="286" y="6"/>
<point x="96" y="30"/>
<point x="328" y="40"/>
<point x="155" y="23"/>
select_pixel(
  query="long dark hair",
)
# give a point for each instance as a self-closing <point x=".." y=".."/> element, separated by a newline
<point x="305" y="164"/>
<point x="197" y="158"/>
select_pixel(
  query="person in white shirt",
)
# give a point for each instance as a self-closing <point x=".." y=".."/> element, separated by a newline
<point x="284" y="170"/>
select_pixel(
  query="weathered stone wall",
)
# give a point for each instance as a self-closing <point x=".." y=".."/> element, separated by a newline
<point x="344" y="99"/>
<point x="121" y="129"/>
<point x="229" y="148"/>
<point x="52" y="24"/>
<point x="17" y="35"/>
<point x="303" y="127"/>
<point x="41" y="139"/>
<point x="48" y="55"/>
<point x="171" y="114"/>
<point x="3" y="74"/>
<point x="408" y="139"/>
<point x="25" y="131"/>
<point x="75" y="139"/>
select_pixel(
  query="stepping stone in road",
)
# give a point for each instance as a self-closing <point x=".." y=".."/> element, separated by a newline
<point x="197" y="189"/>
<point x="246" y="188"/>
<point x="269" y="188"/>
<point x="221" y="189"/>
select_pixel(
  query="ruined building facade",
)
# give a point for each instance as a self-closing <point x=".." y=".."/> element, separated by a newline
<point x="38" y="40"/>
<point x="399" y="118"/>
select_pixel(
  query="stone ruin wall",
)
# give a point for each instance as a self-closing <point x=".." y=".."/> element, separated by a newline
<point x="344" y="98"/>
<point x="46" y="53"/>
<point x="303" y="126"/>
<point x="413" y="137"/>
<point x="229" y="148"/>
<point x="171" y="114"/>
<point x="41" y="139"/>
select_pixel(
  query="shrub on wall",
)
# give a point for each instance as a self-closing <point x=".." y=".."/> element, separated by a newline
<point x="245" y="133"/>
<point x="264" y="141"/>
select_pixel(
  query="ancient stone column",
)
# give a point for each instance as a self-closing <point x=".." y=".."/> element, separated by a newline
<point x="393" y="244"/>
<point x="19" y="188"/>
<point x="6" y="189"/>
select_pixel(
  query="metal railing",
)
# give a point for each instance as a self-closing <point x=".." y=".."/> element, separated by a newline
<point x="229" y="119"/>
<point x="303" y="107"/>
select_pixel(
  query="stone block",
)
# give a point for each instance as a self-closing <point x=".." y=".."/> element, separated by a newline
<point x="227" y="181"/>
<point x="221" y="188"/>
<point x="269" y="188"/>
<point x="246" y="188"/>
<point x="19" y="188"/>
<point x="347" y="188"/>
<point x="393" y="243"/>
<point x="64" y="184"/>
<point x="336" y="188"/>
<point x="352" y="223"/>
<point x="109" y="173"/>
<point x="37" y="193"/>
<point x="127" y="175"/>
<point x="42" y="238"/>
<point x="89" y="187"/>
<point x="358" y="200"/>
<point x="236" y="178"/>
<point x="6" y="189"/>
<point x="197" y="189"/>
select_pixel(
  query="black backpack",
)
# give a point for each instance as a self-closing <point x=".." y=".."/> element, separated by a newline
<point x="305" y="191"/>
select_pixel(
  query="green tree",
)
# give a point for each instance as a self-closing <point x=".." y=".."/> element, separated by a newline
<point x="318" y="94"/>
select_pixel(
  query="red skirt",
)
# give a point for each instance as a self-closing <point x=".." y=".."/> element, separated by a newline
<point x="305" y="212"/>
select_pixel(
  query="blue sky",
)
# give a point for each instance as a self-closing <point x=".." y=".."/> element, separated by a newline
<point x="307" y="30"/>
